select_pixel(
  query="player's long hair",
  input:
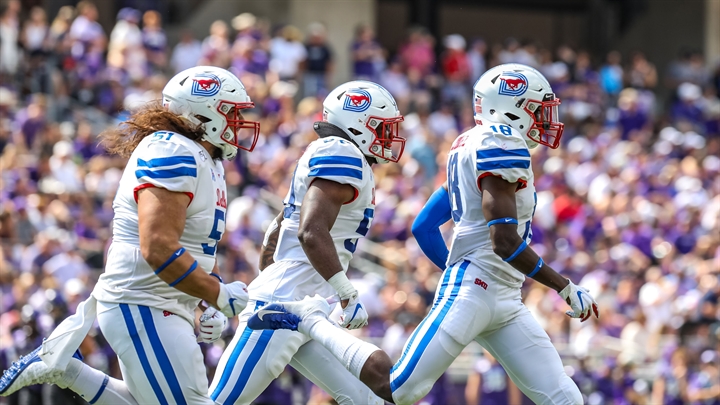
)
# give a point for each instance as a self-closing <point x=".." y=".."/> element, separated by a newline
<point x="152" y="117"/>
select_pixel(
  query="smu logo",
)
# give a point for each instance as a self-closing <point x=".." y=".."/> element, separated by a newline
<point x="513" y="84"/>
<point x="357" y="100"/>
<point x="205" y="84"/>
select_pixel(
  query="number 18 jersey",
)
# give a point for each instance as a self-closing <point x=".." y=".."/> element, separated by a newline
<point x="176" y="163"/>
<point x="490" y="149"/>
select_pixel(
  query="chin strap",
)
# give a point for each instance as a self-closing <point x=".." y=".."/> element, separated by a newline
<point x="326" y="129"/>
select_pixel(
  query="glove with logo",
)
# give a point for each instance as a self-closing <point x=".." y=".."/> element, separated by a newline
<point x="232" y="298"/>
<point x="354" y="315"/>
<point x="582" y="303"/>
<point x="212" y="324"/>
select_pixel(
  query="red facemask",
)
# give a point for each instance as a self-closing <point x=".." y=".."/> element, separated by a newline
<point x="546" y="129"/>
<point x="387" y="136"/>
<point x="245" y="133"/>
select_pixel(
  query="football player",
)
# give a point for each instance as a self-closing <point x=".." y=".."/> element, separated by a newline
<point x="490" y="196"/>
<point x="307" y="249"/>
<point x="169" y="216"/>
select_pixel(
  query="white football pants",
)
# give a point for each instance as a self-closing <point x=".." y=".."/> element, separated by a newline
<point x="160" y="358"/>
<point x="470" y="305"/>
<point x="254" y="358"/>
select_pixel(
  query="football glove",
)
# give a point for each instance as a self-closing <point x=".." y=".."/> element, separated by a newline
<point x="232" y="298"/>
<point x="212" y="324"/>
<point x="354" y="315"/>
<point x="582" y="303"/>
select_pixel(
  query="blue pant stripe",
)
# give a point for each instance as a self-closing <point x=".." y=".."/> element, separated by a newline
<point x="105" y="382"/>
<point x="162" y="356"/>
<point x="132" y="330"/>
<point x="249" y="366"/>
<point x="443" y="286"/>
<point x="230" y="365"/>
<point x="432" y="330"/>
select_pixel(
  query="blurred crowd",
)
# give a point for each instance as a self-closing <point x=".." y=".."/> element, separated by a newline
<point x="628" y="207"/>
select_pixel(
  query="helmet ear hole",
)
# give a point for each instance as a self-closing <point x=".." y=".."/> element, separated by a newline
<point x="203" y="118"/>
<point x="512" y="116"/>
<point x="354" y="131"/>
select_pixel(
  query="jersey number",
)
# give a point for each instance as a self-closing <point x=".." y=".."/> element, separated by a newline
<point x="363" y="228"/>
<point x="504" y="129"/>
<point x="455" y="201"/>
<point x="215" y="234"/>
<point x="160" y="135"/>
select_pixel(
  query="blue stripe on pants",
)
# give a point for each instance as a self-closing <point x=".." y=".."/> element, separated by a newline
<point x="249" y="365"/>
<point x="230" y="365"/>
<point x="132" y="330"/>
<point x="161" y="355"/>
<point x="446" y="280"/>
<point x="432" y="330"/>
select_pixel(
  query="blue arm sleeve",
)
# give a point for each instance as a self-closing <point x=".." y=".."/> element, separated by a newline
<point x="426" y="227"/>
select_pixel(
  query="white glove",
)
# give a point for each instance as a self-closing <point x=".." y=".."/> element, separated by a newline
<point x="232" y="298"/>
<point x="354" y="315"/>
<point x="580" y="300"/>
<point x="212" y="324"/>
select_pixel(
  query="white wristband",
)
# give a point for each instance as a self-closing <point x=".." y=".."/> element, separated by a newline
<point x="342" y="285"/>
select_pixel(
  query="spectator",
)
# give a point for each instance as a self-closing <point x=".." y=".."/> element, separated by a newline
<point x="477" y="58"/>
<point x="155" y="41"/>
<point x="417" y="54"/>
<point x="456" y="69"/>
<point x="9" y="36"/>
<point x="35" y="32"/>
<point x="319" y="62"/>
<point x="187" y="53"/>
<point x="85" y="31"/>
<point x="216" y="47"/>
<point x="367" y="54"/>
<point x="641" y="74"/>
<point x="287" y="53"/>
<point x="126" y="50"/>
<point x="489" y="384"/>
<point x="611" y="75"/>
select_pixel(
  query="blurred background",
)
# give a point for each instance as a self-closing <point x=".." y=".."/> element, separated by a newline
<point x="628" y="207"/>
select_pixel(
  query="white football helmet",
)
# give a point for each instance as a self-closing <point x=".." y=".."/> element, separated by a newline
<point x="214" y="97"/>
<point x="370" y="116"/>
<point x="521" y="97"/>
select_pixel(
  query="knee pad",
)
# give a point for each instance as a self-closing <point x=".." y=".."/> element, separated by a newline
<point x="570" y="392"/>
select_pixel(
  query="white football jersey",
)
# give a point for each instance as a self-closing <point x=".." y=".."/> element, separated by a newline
<point x="490" y="149"/>
<point x="330" y="158"/>
<point x="176" y="163"/>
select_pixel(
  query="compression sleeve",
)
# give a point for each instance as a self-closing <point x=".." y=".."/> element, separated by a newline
<point x="426" y="227"/>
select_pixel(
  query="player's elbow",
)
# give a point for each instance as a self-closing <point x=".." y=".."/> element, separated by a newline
<point x="504" y="243"/>
<point x="418" y="227"/>
<point x="307" y="236"/>
<point x="155" y="250"/>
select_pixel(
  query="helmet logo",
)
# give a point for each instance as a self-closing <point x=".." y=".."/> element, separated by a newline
<point x="513" y="84"/>
<point x="357" y="100"/>
<point x="205" y="85"/>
